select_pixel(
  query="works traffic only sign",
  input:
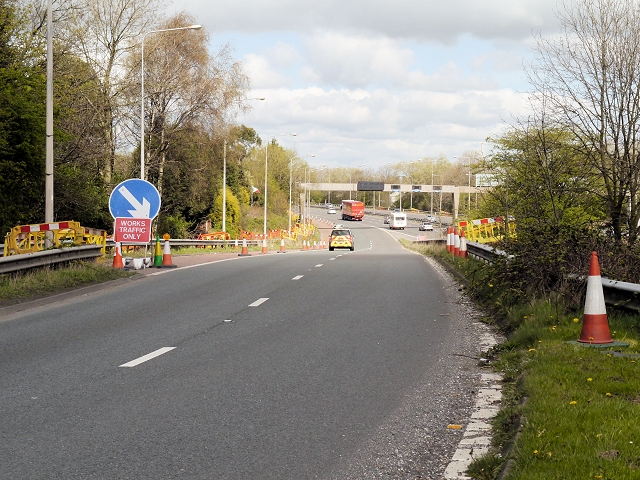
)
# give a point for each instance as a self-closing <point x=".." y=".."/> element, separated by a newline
<point x="134" y="198"/>
<point x="132" y="230"/>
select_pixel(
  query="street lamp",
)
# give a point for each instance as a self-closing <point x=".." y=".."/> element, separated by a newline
<point x="190" y="27"/>
<point x="266" y="163"/>
<point x="224" y="179"/>
<point x="291" y="183"/>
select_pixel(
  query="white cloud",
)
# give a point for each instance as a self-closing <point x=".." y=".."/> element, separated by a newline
<point x="351" y="127"/>
<point x="262" y="74"/>
<point x="373" y="81"/>
<point x="430" y="20"/>
<point x="339" y="59"/>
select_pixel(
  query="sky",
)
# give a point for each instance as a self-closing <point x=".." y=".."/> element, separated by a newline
<point x="371" y="82"/>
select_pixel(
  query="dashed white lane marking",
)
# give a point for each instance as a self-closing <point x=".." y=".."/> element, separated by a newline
<point x="332" y="258"/>
<point x="319" y="265"/>
<point x="297" y="277"/>
<point x="260" y="301"/>
<point x="147" y="357"/>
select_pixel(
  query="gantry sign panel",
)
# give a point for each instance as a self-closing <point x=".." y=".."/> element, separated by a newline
<point x="370" y="186"/>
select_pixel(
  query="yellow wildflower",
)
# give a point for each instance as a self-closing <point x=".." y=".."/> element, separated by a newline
<point x="575" y="320"/>
<point x="573" y="402"/>
<point x="589" y="379"/>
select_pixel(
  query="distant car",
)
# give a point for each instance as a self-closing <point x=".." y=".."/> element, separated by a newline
<point x="338" y="225"/>
<point x="341" y="238"/>
<point x="387" y="218"/>
<point x="332" y="211"/>
<point x="431" y="219"/>
<point x="426" y="227"/>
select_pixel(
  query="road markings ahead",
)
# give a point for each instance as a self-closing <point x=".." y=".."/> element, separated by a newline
<point x="260" y="301"/>
<point x="319" y="265"/>
<point x="297" y="277"/>
<point x="147" y="357"/>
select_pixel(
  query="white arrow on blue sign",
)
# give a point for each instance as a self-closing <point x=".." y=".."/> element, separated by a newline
<point x="134" y="198"/>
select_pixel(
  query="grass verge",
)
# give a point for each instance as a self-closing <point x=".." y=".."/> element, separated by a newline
<point x="569" y="411"/>
<point x="32" y="284"/>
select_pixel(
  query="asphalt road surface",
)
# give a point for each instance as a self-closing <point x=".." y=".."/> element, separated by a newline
<point x="318" y="364"/>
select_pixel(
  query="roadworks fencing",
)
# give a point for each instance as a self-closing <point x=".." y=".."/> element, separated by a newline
<point x="36" y="238"/>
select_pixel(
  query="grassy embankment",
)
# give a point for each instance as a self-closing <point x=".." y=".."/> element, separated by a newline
<point x="569" y="411"/>
<point x="31" y="284"/>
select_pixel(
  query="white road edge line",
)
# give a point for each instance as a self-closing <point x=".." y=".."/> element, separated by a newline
<point x="260" y="301"/>
<point x="297" y="277"/>
<point x="147" y="357"/>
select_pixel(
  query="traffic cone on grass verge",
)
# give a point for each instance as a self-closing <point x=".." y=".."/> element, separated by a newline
<point x="449" y="239"/>
<point x="282" y="249"/>
<point x="235" y="244"/>
<point x="166" y="254"/>
<point x="117" y="257"/>
<point x="157" y="255"/>
<point x="595" y="325"/>
<point x="456" y="243"/>
<point x="245" y="251"/>
<point x="463" y="245"/>
<point x="264" y="245"/>
<point x="315" y="245"/>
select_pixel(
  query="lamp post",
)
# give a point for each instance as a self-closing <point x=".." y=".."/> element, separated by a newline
<point x="190" y="27"/>
<point x="291" y="183"/>
<point x="266" y="163"/>
<point x="224" y="180"/>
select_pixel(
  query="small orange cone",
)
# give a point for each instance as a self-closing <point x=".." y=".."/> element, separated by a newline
<point x="264" y="245"/>
<point x="235" y="244"/>
<point x="282" y="248"/>
<point x="595" y="325"/>
<point x="117" y="257"/>
<point x="315" y="245"/>
<point x="463" y="245"/>
<point x="166" y="253"/>
<point x="245" y="251"/>
<point x="304" y="245"/>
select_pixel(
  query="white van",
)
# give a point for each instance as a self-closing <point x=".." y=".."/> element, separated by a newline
<point x="397" y="220"/>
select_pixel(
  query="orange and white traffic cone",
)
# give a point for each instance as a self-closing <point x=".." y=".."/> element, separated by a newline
<point x="117" y="257"/>
<point x="245" y="251"/>
<point x="595" y="325"/>
<point x="282" y="248"/>
<point x="304" y="245"/>
<point x="449" y="239"/>
<point x="235" y="244"/>
<point x="315" y="245"/>
<point x="463" y="245"/>
<point x="456" y="242"/>
<point x="166" y="254"/>
<point x="264" y="245"/>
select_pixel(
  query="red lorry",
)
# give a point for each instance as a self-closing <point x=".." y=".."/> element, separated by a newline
<point x="352" y="210"/>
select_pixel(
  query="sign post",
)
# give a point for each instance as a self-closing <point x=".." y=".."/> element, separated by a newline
<point x="134" y="204"/>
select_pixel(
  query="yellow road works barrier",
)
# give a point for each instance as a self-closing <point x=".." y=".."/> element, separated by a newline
<point x="32" y="238"/>
<point x="486" y="230"/>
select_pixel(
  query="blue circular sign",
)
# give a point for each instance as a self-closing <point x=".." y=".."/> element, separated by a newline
<point x="134" y="198"/>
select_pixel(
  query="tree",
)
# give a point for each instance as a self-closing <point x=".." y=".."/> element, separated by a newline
<point x="103" y="33"/>
<point x="588" y="80"/>
<point x="184" y="84"/>
<point x="22" y="128"/>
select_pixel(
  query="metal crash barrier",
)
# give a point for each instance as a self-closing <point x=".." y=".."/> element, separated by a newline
<point x="33" y="238"/>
